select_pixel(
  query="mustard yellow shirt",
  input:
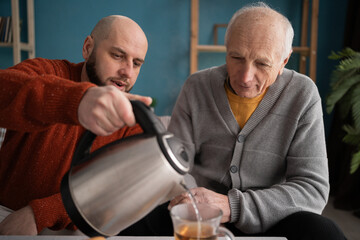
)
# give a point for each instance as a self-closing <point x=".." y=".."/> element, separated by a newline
<point x="241" y="107"/>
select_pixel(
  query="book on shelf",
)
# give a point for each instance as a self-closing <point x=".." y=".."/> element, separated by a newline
<point x="5" y="29"/>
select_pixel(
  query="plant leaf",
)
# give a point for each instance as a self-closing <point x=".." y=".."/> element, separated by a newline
<point x="347" y="52"/>
<point x="349" y="63"/>
<point x="355" y="102"/>
<point x="344" y="106"/>
<point x="340" y="91"/>
<point x="355" y="162"/>
<point x="339" y="77"/>
<point x="350" y="129"/>
<point x="352" y="136"/>
<point x="345" y="94"/>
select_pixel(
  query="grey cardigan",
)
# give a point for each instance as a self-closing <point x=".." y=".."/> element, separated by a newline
<point x="273" y="167"/>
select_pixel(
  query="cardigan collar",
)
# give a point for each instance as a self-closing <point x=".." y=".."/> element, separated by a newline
<point x="218" y="78"/>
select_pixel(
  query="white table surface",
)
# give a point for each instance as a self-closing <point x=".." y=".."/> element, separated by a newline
<point x="120" y="238"/>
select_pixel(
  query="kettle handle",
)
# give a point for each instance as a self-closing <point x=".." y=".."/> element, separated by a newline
<point x="148" y="121"/>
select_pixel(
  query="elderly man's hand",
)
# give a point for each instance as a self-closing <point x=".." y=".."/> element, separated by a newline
<point x="104" y="110"/>
<point x="203" y="195"/>
<point x="20" y="222"/>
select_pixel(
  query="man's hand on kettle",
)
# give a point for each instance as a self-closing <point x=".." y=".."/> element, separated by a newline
<point x="203" y="195"/>
<point x="104" y="110"/>
<point x="20" y="222"/>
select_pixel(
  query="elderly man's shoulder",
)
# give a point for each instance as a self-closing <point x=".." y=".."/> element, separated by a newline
<point x="299" y="85"/>
<point x="298" y="80"/>
<point x="205" y="75"/>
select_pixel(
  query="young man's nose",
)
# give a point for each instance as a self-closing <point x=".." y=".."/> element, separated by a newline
<point x="126" y="69"/>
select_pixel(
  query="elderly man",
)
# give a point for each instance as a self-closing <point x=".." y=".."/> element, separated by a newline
<point x="255" y="133"/>
<point x="46" y="106"/>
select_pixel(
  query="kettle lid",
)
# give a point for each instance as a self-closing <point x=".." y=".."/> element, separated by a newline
<point x="175" y="153"/>
<point x="172" y="148"/>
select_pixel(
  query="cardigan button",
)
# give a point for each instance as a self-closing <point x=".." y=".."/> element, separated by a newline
<point x="240" y="138"/>
<point x="233" y="169"/>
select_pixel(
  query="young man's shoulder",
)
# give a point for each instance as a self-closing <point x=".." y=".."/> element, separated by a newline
<point x="38" y="66"/>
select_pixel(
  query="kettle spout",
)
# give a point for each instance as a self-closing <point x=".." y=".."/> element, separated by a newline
<point x="178" y="188"/>
<point x="184" y="185"/>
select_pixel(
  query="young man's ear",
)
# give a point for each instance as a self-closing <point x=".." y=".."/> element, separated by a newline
<point x="88" y="47"/>
<point x="286" y="60"/>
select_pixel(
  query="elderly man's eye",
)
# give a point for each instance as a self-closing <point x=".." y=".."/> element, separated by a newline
<point x="238" y="59"/>
<point x="262" y="64"/>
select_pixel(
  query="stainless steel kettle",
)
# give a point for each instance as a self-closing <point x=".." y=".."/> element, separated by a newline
<point x="113" y="187"/>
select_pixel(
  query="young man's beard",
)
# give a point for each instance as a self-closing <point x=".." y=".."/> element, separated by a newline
<point x="91" y="70"/>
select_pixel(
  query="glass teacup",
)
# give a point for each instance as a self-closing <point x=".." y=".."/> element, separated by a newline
<point x="189" y="226"/>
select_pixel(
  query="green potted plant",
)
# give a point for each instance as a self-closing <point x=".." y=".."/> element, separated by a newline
<point x="345" y="94"/>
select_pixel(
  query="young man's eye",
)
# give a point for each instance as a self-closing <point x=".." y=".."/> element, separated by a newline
<point x="115" y="55"/>
<point x="137" y="64"/>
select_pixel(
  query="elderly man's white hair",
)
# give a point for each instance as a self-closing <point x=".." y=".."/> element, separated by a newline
<point x="288" y="29"/>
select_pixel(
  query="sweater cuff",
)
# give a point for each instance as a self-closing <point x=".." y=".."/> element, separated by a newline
<point x="234" y="200"/>
<point x="50" y="213"/>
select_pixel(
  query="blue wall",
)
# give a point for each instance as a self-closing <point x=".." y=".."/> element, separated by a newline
<point x="62" y="26"/>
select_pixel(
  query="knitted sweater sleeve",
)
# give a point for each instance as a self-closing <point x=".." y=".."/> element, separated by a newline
<point x="37" y="93"/>
<point x="50" y="212"/>
<point x="34" y="95"/>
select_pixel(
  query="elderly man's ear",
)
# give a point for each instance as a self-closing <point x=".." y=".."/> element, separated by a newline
<point x="88" y="47"/>
<point x="286" y="60"/>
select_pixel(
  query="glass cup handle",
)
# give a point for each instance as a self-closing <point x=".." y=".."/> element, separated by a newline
<point x="227" y="233"/>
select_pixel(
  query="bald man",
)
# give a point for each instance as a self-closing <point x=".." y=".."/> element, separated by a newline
<point x="254" y="131"/>
<point x="46" y="106"/>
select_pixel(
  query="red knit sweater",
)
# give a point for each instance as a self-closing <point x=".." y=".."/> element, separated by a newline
<point x="39" y="99"/>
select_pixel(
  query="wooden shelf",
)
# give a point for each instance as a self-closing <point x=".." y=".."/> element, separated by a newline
<point x="307" y="53"/>
<point x="211" y="48"/>
<point x="17" y="45"/>
<point x="23" y="46"/>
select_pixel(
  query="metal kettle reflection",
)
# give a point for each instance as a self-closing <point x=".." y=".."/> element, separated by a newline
<point x="113" y="187"/>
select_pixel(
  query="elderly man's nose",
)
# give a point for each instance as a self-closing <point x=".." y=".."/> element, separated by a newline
<point x="247" y="74"/>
